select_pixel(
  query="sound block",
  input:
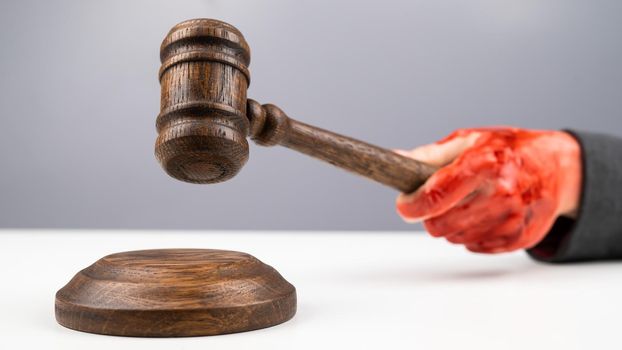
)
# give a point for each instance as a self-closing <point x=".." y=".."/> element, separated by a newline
<point x="175" y="293"/>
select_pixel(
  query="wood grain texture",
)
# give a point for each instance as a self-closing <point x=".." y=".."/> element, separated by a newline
<point x="202" y="123"/>
<point x="205" y="116"/>
<point x="175" y="292"/>
<point x="271" y="126"/>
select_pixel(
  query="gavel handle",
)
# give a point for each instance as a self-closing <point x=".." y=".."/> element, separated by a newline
<point x="269" y="126"/>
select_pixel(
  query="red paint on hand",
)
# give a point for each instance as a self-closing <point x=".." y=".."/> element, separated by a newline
<point x="502" y="191"/>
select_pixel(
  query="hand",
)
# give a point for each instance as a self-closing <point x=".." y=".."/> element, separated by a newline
<point x="499" y="189"/>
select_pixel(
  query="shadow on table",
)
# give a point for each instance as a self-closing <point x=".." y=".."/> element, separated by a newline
<point x="513" y="270"/>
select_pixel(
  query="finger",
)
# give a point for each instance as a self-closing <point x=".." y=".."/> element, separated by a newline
<point x="490" y="232"/>
<point x="474" y="209"/>
<point x="489" y="227"/>
<point x="455" y="238"/>
<point x="443" y="152"/>
<point x="442" y="191"/>
<point x="437" y="230"/>
<point x="502" y="239"/>
<point x="478" y="248"/>
<point x="494" y="245"/>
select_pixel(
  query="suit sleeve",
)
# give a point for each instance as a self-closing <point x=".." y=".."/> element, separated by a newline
<point x="596" y="234"/>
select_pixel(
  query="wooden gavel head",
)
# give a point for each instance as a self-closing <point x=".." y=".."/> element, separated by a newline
<point x="202" y="124"/>
<point x="205" y="116"/>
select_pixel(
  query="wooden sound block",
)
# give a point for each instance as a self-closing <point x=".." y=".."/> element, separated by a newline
<point x="175" y="293"/>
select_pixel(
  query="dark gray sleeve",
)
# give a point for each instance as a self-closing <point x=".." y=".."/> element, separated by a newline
<point x="597" y="231"/>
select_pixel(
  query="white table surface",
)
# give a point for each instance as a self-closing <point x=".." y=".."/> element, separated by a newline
<point x="355" y="290"/>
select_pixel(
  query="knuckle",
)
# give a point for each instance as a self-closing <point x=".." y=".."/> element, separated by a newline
<point x="455" y="239"/>
<point x="432" y="226"/>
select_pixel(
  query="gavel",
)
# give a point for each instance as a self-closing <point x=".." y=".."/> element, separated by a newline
<point x="205" y="116"/>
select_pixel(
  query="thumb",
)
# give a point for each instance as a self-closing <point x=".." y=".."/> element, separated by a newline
<point x="447" y="186"/>
<point x="443" y="152"/>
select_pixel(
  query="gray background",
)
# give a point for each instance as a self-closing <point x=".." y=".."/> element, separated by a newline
<point x="79" y="97"/>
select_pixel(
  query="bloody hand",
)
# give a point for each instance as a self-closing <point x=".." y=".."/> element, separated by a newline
<point x="499" y="189"/>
